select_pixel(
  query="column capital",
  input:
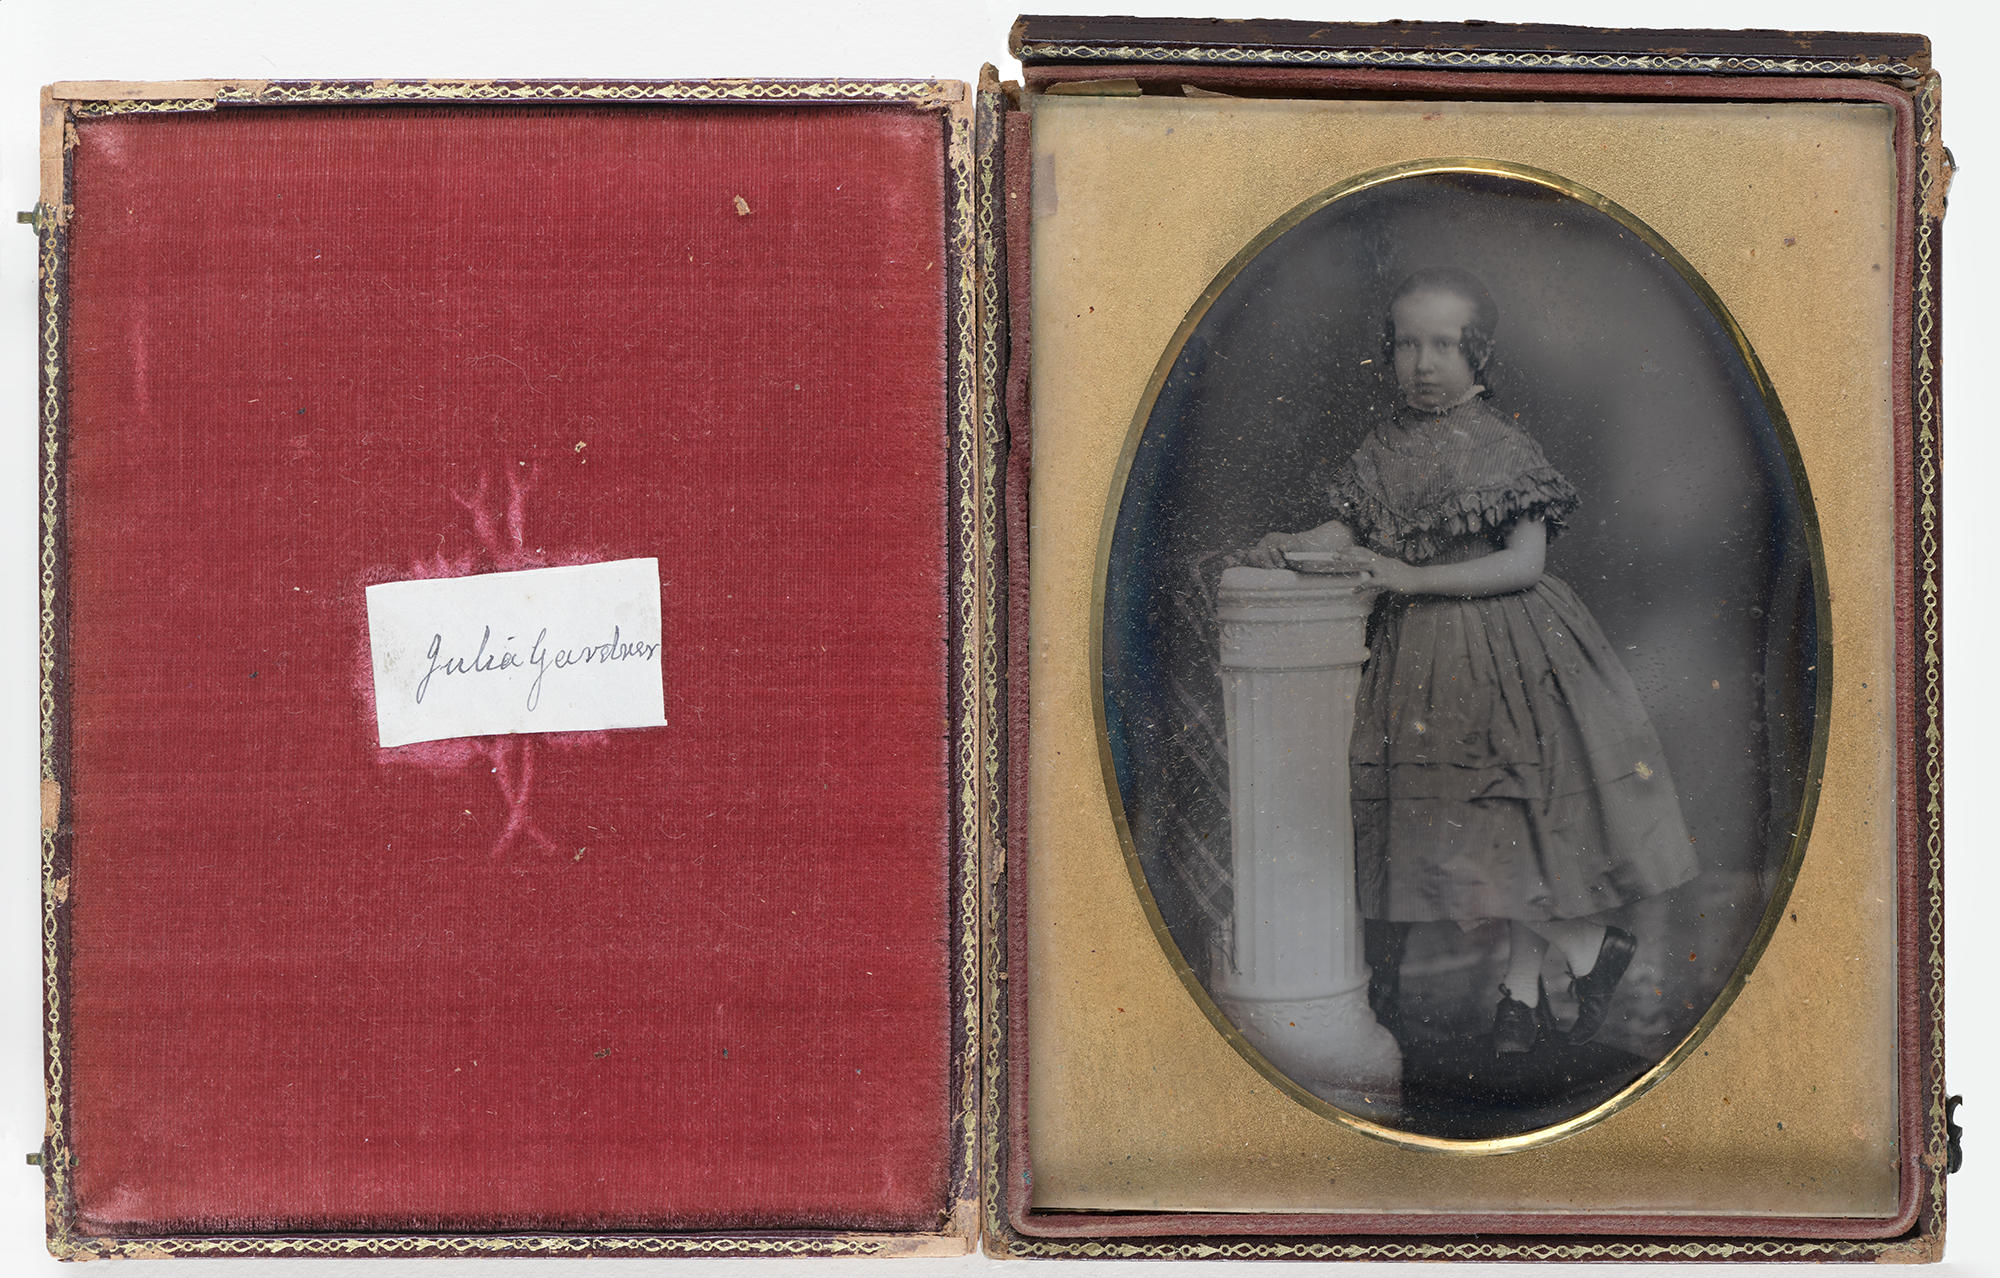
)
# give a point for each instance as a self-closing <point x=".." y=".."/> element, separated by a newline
<point x="1277" y="619"/>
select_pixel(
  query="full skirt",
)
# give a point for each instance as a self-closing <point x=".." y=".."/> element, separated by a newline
<point x="1503" y="766"/>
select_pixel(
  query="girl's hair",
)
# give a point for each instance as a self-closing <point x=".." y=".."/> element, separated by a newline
<point x="1475" y="340"/>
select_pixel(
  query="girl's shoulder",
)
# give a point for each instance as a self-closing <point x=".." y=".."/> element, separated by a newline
<point x="1490" y="439"/>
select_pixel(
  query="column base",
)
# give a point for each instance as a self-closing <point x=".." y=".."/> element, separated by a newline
<point x="1332" y="1046"/>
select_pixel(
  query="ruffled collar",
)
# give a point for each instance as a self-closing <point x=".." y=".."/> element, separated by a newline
<point x="1476" y="391"/>
<point x="1426" y="480"/>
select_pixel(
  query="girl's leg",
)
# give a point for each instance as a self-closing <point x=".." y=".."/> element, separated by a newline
<point x="1383" y="943"/>
<point x="1521" y="1023"/>
<point x="1578" y="942"/>
<point x="1525" y="952"/>
<point x="1598" y="957"/>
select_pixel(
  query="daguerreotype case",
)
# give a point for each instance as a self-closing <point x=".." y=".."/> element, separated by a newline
<point x="1283" y="641"/>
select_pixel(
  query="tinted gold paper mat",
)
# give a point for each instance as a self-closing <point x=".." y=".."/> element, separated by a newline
<point x="1135" y="1102"/>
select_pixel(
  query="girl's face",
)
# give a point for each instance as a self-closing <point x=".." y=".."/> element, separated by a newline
<point x="1431" y="366"/>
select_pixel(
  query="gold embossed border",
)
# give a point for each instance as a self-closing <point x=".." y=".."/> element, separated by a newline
<point x="990" y="149"/>
<point x="56" y="1156"/>
<point x="541" y="1245"/>
<point x="971" y="618"/>
<point x="1921" y="875"/>
<point x="1461" y="59"/>
<point x="1533" y="1251"/>
<point x="973" y="729"/>
<point x="349" y="92"/>
<point x="1926" y="348"/>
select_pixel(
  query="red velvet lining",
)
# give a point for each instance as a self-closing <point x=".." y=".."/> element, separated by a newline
<point x="690" y="977"/>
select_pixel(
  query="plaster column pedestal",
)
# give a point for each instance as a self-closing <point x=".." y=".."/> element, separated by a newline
<point x="1291" y="977"/>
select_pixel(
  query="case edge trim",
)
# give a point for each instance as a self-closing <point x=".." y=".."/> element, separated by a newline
<point x="1925" y="1242"/>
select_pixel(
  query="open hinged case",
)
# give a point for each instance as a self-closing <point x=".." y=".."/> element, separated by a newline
<point x="1468" y="525"/>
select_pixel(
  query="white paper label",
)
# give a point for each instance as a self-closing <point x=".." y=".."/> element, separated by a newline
<point x="545" y="650"/>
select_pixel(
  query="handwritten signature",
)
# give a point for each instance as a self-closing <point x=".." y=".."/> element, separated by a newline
<point x="540" y="658"/>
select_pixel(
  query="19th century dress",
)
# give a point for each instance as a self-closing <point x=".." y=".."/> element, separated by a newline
<point x="1503" y="766"/>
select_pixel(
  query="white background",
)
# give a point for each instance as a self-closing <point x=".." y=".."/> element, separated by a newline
<point x="44" y="40"/>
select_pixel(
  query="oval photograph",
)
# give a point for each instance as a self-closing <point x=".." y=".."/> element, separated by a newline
<point x="1463" y="655"/>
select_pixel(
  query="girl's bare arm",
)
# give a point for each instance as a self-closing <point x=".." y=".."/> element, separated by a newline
<point x="1515" y="567"/>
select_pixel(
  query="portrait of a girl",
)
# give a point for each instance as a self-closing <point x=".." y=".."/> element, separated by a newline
<point x="1503" y="767"/>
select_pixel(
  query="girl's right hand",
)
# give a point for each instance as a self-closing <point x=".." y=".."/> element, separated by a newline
<point x="1269" y="552"/>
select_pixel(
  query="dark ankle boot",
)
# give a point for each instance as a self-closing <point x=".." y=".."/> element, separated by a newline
<point x="1516" y="1026"/>
<point x="1593" y="989"/>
